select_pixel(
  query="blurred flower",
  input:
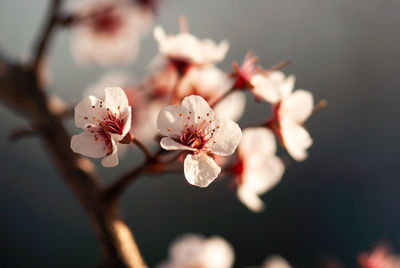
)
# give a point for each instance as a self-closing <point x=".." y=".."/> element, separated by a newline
<point x="275" y="261"/>
<point x="380" y="257"/>
<point x="109" y="31"/>
<point x="192" y="127"/>
<point x="291" y="110"/>
<point x="161" y="78"/>
<point x="184" y="49"/>
<point x="195" y="251"/>
<point x="272" y="86"/>
<point x="104" y="124"/>
<point x="211" y="83"/>
<point x="258" y="168"/>
<point x="246" y="71"/>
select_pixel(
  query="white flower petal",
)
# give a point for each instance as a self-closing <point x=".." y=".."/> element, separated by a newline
<point x="186" y="249"/>
<point x="287" y="86"/>
<point x="208" y="81"/>
<point x="112" y="159"/>
<point x="262" y="172"/>
<point x="200" y="169"/>
<point x="198" y="109"/>
<point x="232" y="107"/>
<point x="298" y="106"/>
<point x="296" y="139"/>
<point x="218" y="253"/>
<point x="86" y="144"/>
<point x="264" y="88"/>
<point x="115" y="99"/>
<point x="226" y="137"/>
<point x="187" y="47"/>
<point x="169" y="144"/>
<point x="250" y="199"/>
<point x="171" y="120"/>
<point x="85" y="113"/>
<point x="258" y="140"/>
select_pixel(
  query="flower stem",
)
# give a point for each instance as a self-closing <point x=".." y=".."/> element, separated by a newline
<point x="143" y="148"/>
<point x="226" y="94"/>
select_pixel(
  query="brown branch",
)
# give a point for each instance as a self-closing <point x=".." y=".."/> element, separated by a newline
<point x="278" y="66"/>
<point x="226" y="94"/>
<point x="115" y="190"/>
<point x="44" y="39"/>
<point x="20" y="90"/>
<point x="143" y="148"/>
<point x="21" y="133"/>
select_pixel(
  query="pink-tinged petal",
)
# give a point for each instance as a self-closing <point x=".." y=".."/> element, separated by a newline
<point x="87" y="111"/>
<point x="250" y="199"/>
<point x="171" y="120"/>
<point x="86" y="144"/>
<point x="257" y="140"/>
<point x="265" y="88"/>
<point x="115" y="99"/>
<point x="198" y="109"/>
<point x="275" y="261"/>
<point x="217" y="253"/>
<point x="296" y="139"/>
<point x="112" y="159"/>
<point x="200" y="169"/>
<point x="297" y="106"/>
<point x="226" y="137"/>
<point x="169" y="144"/>
<point x="232" y="107"/>
<point x="262" y="172"/>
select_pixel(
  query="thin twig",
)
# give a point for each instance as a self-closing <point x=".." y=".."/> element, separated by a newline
<point x="279" y="66"/>
<point x="44" y="39"/>
<point x="122" y="183"/>
<point x="22" y="133"/>
<point x="226" y="94"/>
<point x="143" y="148"/>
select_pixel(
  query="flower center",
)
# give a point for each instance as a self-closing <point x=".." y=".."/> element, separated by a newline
<point x="111" y="124"/>
<point x="106" y="21"/>
<point x="193" y="138"/>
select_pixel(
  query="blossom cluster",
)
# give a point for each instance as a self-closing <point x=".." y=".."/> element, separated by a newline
<point x="187" y="104"/>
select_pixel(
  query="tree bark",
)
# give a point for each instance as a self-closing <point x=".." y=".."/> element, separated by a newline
<point x="20" y="90"/>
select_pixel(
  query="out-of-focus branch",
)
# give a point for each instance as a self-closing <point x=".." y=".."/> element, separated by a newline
<point x="21" y="133"/>
<point x="44" y="38"/>
<point x="20" y="90"/>
<point x="279" y="66"/>
<point x="226" y="94"/>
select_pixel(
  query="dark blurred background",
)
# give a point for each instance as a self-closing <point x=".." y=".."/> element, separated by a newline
<point x="339" y="202"/>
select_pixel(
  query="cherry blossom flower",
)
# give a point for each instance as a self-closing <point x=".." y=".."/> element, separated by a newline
<point x="184" y="49"/>
<point x="272" y="86"/>
<point x="109" y="31"/>
<point x="291" y="110"/>
<point x="144" y="109"/>
<point x="192" y="127"/>
<point x="195" y="251"/>
<point x="380" y="257"/>
<point x="258" y="168"/>
<point x="275" y="261"/>
<point x="210" y="83"/>
<point x="105" y="123"/>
